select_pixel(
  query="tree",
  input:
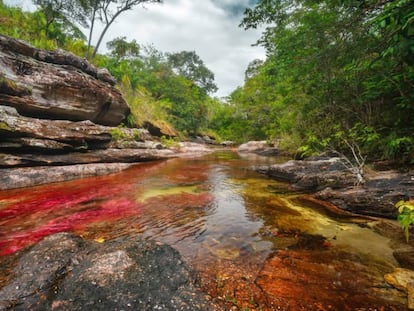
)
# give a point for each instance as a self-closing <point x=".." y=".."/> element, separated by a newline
<point x="35" y="28"/>
<point x="107" y="11"/>
<point x="122" y="49"/>
<point x="333" y="66"/>
<point x="189" y="65"/>
<point x="66" y="11"/>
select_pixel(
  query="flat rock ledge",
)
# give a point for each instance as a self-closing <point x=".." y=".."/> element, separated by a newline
<point x="64" y="272"/>
<point x="330" y="180"/>
<point x="33" y="176"/>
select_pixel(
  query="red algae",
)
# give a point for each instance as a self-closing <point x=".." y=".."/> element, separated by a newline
<point x="321" y="280"/>
<point x="28" y="215"/>
<point x="107" y="211"/>
<point x="252" y="249"/>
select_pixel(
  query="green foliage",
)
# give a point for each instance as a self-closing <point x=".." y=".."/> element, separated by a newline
<point x="405" y="216"/>
<point x="189" y="65"/>
<point x="336" y="72"/>
<point x="35" y="28"/>
<point x="170" y="142"/>
<point x="167" y="90"/>
<point x="122" y="49"/>
<point x="117" y="134"/>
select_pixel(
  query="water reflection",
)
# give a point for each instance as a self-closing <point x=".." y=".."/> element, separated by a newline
<point x="252" y="241"/>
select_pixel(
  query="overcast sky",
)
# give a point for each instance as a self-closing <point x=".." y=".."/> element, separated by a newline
<point x="209" y="27"/>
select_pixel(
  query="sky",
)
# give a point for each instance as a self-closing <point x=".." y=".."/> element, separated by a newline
<point x="208" y="27"/>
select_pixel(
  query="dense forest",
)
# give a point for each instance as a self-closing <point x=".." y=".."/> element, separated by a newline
<point x="339" y="75"/>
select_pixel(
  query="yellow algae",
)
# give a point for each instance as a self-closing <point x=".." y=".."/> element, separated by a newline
<point x="351" y="237"/>
<point x="228" y="253"/>
<point x="166" y="191"/>
<point x="258" y="187"/>
<point x="221" y="250"/>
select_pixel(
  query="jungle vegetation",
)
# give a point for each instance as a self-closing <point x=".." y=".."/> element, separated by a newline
<point x="338" y="76"/>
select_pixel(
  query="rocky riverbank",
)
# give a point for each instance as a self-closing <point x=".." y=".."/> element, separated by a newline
<point x="330" y="180"/>
<point x="60" y="117"/>
<point x="64" y="272"/>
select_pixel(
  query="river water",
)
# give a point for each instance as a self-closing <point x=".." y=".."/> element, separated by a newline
<point x="255" y="244"/>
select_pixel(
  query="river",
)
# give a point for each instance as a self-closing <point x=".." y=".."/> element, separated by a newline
<point x="254" y="243"/>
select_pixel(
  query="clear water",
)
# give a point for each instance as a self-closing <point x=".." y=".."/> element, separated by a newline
<point x="254" y="243"/>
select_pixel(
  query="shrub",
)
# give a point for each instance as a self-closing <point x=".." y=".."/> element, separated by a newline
<point x="405" y="216"/>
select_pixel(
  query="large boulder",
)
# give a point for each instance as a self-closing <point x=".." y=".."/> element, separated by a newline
<point x="57" y="85"/>
<point x="376" y="197"/>
<point x="334" y="182"/>
<point x="63" y="272"/>
<point x="311" y="174"/>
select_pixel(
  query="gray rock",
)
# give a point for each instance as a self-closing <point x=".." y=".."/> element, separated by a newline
<point x="253" y="146"/>
<point x="311" y="174"/>
<point x="335" y="183"/>
<point x="13" y="178"/>
<point x="63" y="272"/>
<point x="57" y="85"/>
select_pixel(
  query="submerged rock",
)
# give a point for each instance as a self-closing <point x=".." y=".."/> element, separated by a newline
<point x="403" y="279"/>
<point x="63" y="272"/>
<point x="325" y="280"/>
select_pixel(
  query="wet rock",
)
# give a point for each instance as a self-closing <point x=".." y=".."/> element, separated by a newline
<point x="13" y="125"/>
<point x="311" y="174"/>
<point x="228" y="143"/>
<point x="63" y="272"/>
<point x="377" y="197"/>
<point x="318" y="280"/>
<point x="403" y="279"/>
<point x="36" y="144"/>
<point x="253" y="146"/>
<point x="57" y="85"/>
<point x="189" y="149"/>
<point x="109" y="155"/>
<point x="405" y="257"/>
<point x="32" y="176"/>
<point x="335" y="183"/>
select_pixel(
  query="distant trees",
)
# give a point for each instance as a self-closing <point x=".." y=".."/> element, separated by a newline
<point x="46" y="28"/>
<point x="107" y="11"/>
<point x="86" y="13"/>
<point x="160" y="88"/>
<point x="332" y="67"/>
<point x="73" y="11"/>
<point x="174" y="85"/>
<point x="190" y="65"/>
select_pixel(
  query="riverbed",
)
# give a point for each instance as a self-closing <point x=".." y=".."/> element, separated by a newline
<point x="254" y="243"/>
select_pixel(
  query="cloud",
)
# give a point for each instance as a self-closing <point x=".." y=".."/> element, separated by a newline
<point x="208" y="27"/>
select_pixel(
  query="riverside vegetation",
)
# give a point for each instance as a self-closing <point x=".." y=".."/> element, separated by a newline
<point x="337" y="73"/>
<point x="338" y="79"/>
